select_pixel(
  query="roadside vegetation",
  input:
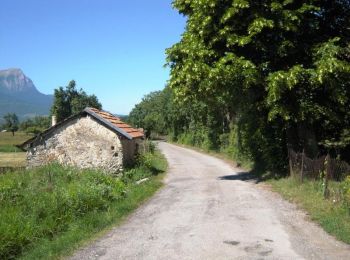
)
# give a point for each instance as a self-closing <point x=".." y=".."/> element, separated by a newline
<point x="333" y="214"/>
<point x="49" y="211"/>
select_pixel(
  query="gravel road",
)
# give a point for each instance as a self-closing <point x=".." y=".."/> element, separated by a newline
<point x="208" y="211"/>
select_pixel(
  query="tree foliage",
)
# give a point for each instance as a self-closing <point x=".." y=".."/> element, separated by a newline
<point x="11" y="122"/>
<point x="70" y="101"/>
<point x="278" y="69"/>
<point x="150" y="113"/>
<point x="255" y="77"/>
<point x="35" y="125"/>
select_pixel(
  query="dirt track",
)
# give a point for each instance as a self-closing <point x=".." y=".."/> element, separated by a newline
<point x="206" y="211"/>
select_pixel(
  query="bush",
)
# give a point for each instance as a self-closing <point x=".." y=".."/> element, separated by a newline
<point x="43" y="202"/>
<point x="149" y="146"/>
<point x="147" y="165"/>
<point x="198" y="137"/>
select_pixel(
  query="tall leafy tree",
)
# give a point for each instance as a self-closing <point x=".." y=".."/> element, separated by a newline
<point x="276" y="71"/>
<point x="11" y="122"/>
<point x="70" y="101"/>
<point x="151" y="113"/>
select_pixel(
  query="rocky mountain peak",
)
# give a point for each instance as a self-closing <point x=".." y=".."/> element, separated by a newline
<point x="19" y="95"/>
<point x="14" y="80"/>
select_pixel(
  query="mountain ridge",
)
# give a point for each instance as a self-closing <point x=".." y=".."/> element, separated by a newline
<point x="14" y="80"/>
<point x="19" y="95"/>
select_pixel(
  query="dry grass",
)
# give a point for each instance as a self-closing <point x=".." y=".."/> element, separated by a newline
<point x="18" y="138"/>
<point x="11" y="156"/>
<point x="17" y="159"/>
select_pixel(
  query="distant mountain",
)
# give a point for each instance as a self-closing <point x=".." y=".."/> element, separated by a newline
<point x="19" y="95"/>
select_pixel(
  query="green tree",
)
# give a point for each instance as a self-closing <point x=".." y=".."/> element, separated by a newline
<point x="11" y="122"/>
<point x="150" y="113"/>
<point x="35" y="125"/>
<point x="70" y="101"/>
<point x="276" y="73"/>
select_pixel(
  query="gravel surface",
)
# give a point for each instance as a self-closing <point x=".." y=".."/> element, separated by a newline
<point x="208" y="210"/>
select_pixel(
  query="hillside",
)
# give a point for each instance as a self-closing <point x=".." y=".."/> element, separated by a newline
<point x="19" y="95"/>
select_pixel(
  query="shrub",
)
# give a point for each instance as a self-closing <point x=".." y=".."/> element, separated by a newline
<point x="198" y="137"/>
<point x="43" y="202"/>
<point x="149" y="146"/>
<point x="147" y="164"/>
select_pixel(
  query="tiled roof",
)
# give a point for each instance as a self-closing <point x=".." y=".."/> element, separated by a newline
<point x="115" y="121"/>
<point x="104" y="117"/>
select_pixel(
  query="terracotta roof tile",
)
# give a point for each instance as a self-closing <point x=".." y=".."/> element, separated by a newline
<point x="114" y="120"/>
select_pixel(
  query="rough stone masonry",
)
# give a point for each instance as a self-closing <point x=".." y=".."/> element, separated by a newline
<point x="85" y="143"/>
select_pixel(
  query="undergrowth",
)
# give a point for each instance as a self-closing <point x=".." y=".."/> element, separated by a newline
<point x="223" y="153"/>
<point x="47" y="211"/>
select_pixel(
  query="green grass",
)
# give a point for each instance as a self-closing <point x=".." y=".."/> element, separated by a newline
<point x="331" y="213"/>
<point x="50" y="211"/>
<point x="7" y="148"/>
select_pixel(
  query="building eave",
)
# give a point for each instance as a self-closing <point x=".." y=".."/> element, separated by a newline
<point x="107" y="123"/>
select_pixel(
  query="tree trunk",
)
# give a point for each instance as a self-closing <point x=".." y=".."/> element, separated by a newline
<point x="308" y="140"/>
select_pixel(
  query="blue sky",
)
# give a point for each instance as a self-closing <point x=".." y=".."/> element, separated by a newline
<point x="112" y="48"/>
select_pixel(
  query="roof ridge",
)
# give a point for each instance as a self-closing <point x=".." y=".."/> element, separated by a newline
<point x="103" y="111"/>
<point x="120" y="126"/>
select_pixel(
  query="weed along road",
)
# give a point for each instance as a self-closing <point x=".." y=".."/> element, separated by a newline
<point x="207" y="210"/>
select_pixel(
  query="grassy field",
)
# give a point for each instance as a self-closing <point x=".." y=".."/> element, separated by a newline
<point x="331" y="213"/>
<point x="8" y="142"/>
<point x="12" y="159"/>
<point x="10" y="155"/>
<point x="50" y="211"/>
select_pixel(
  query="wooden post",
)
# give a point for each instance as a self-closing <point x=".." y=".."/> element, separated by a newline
<point x="290" y="163"/>
<point x="326" y="177"/>
<point x="302" y="167"/>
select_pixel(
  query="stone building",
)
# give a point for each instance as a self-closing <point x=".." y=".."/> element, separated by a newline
<point x="90" y="139"/>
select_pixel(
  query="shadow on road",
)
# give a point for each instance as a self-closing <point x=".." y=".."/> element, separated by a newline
<point x="241" y="176"/>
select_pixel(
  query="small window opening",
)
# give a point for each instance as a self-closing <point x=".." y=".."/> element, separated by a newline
<point x="112" y="147"/>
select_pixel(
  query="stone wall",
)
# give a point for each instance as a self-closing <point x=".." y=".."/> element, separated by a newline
<point x="130" y="149"/>
<point x="82" y="142"/>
